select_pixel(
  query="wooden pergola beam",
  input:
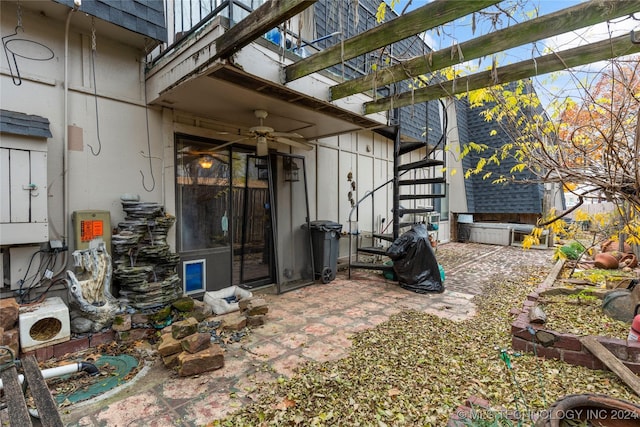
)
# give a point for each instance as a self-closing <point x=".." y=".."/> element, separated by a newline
<point x="271" y="14"/>
<point x="426" y="17"/>
<point x="559" y="22"/>
<point x="606" y="49"/>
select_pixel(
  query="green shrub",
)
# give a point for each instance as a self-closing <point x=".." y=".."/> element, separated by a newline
<point x="573" y="250"/>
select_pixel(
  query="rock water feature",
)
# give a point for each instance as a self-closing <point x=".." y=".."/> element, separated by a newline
<point x="93" y="306"/>
<point x="145" y="268"/>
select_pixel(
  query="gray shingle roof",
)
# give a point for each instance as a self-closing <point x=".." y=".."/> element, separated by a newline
<point x="144" y="17"/>
<point x="485" y="196"/>
<point x="24" y="124"/>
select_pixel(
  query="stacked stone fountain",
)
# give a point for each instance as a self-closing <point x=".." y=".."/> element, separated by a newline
<point x="145" y="268"/>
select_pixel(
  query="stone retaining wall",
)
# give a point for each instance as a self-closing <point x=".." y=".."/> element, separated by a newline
<point x="567" y="347"/>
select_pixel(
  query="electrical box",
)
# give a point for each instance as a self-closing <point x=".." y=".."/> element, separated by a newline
<point x="90" y="228"/>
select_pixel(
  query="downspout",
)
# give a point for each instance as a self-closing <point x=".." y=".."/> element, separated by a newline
<point x="65" y="142"/>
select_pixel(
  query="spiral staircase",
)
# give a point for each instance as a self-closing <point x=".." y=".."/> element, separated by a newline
<point x="412" y="201"/>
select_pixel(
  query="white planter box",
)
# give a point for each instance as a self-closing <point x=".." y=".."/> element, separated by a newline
<point x="44" y="324"/>
<point x="490" y="233"/>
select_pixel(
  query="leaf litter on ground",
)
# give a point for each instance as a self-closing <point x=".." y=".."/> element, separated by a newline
<point x="417" y="368"/>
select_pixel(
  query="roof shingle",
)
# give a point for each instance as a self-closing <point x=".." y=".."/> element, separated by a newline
<point x="144" y="17"/>
<point x="24" y="124"/>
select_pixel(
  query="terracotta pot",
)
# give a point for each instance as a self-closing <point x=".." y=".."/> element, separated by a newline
<point x="590" y="409"/>
<point x="606" y="260"/>
<point x="610" y="246"/>
<point x="629" y="260"/>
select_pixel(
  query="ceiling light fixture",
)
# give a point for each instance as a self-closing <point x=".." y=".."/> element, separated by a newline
<point x="205" y="162"/>
<point x="262" y="149"/>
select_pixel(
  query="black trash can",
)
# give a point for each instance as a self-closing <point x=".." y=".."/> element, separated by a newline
<point x="464" y="232"/>
<point x="324" y="239"/>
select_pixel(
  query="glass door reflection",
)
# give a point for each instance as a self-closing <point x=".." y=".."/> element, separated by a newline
<point x="253" y="245"/>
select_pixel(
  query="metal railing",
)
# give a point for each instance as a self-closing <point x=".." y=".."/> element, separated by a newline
<point x="184" y="18"/>
<point x="353" y="209"/>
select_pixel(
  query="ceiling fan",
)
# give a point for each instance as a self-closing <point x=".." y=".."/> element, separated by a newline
<point x="265" y="134"/>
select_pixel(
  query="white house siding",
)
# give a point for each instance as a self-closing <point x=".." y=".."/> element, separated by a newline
<point x="95" y="182"/>
<point x="455" y="171"/>
<point x="328" y="167"/>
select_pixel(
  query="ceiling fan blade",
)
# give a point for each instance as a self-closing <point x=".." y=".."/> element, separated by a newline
<point x="287" y="135"/>
<point x="218" y="147"/>
<point x="303" y="145"/>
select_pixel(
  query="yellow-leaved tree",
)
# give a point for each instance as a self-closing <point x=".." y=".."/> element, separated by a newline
<point x="590" y="145"/>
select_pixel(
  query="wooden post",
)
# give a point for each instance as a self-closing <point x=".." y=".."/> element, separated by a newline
<point x="612" y="362"/>
<point x="47" y="407"/>
<point x="16" y="405"/>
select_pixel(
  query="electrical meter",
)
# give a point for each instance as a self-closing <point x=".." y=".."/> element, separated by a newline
<point x="91" y="227"/>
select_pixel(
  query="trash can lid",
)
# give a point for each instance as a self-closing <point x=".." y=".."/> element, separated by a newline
<point x="324" y="225"/>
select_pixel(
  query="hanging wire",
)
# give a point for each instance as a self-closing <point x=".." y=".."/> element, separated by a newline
<point x="44" y="55"/>
<point x="95" y="88"/>
<point x="506" y="358"/>
<point x="342" y="40"/>
<point x="19" y="13"/>
<point x="153" y="179"/>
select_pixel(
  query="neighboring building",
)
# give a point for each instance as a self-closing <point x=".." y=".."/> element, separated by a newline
<point x="129" y="98"/>
<point x="502" y="213"/>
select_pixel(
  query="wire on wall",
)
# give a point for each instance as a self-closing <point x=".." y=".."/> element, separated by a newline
<point x="153" y="179"/>
<point x="42" y="275"/>
<point x="22" y="48"/>
<point x="95" y="88"/>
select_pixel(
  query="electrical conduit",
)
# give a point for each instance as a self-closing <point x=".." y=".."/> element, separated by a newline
<point x="65" y="142"/>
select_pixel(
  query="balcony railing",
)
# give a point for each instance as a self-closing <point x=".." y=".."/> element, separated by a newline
<point x="184" y="17"/>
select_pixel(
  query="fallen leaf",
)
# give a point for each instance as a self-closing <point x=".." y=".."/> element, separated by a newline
<point x="393" y="392"/>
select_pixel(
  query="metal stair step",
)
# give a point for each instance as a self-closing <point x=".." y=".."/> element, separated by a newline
<point x="407" y="147"/>
<point x="387" y="237"/>
<point x="438" y="180"/>
<point x="388" y="132"/>
<point x="424" y="163"/>
<point x="407" y="224"/>
<point x="420" y="196"/>
<point x="371" y="266"/>
<point x="373" y="250"/>
<point x="406" y="211"/>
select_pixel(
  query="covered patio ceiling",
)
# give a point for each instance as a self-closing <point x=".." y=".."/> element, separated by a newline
<point x="209" y="75"/>
<point x="315" y="116"/>
<point x="231" y="95"/>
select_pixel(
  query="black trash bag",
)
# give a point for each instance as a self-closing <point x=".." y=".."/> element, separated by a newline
<point x="414" y="262"/>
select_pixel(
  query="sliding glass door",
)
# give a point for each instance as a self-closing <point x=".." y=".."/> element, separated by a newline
<point x="253" y="249"/>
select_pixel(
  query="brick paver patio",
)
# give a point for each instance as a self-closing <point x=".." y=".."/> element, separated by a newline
<point x="309" y="324"/>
